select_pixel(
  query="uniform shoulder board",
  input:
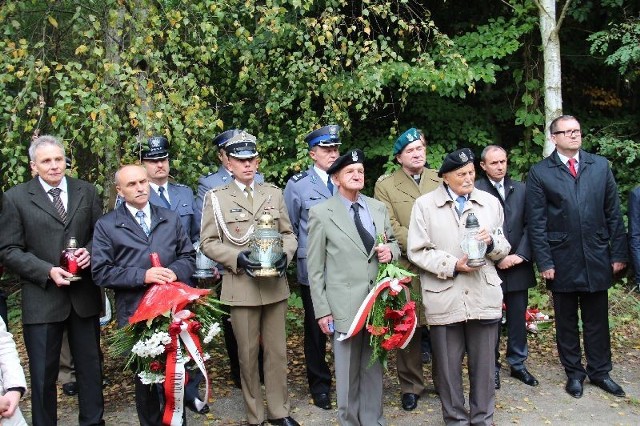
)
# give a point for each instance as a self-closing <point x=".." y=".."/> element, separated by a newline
<point x="218" y="188"/>
<point x="383" y="177"/>
<point x="179" y="185"/>
<point x="299" y="176"/>
<point x="268" y="185"/>
<point x="209" y="174"/>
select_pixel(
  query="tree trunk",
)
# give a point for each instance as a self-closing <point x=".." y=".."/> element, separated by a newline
<point x="552" y="68"/>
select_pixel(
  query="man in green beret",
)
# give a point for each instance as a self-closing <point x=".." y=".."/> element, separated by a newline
<point x="398" y="191"/>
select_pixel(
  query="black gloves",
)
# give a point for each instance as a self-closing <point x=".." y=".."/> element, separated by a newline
<point x="281" y="265"/>
<point x="247" y="264"/>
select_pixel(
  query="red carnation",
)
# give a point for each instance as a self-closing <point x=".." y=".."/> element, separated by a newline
<point x="155" y="366"/>
<point x="377" y="330"/>
<point x="194" y="326"/>
<point x="392" y="342"/>
<point x="175" y="329"/>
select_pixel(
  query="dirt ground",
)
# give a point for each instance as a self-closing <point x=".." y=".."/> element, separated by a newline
<point x="516" y="403"/>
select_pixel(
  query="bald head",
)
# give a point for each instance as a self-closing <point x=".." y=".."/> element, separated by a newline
<point x="132" y="184"/>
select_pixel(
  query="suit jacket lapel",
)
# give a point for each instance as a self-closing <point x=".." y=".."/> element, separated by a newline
<point x="319" y="185"/>
<point x="41" y="200"/>
<point x="342" y="218"/>
<point x="75" y="198"/>
<point x="174" y="197"/>
<point x="240" y="199"/>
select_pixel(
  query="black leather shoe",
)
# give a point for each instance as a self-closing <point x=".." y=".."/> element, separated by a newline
<point x="285" y="421"/>
<point x="426" y="357"/>
<point x="70" y="389"/>
<point x="191" y="405"/>
<point x="410" y="401"/>
<point x="496" y="379"/>
<point x="608" y="385"/>
<point x="322" y="400"/>
<point x="574" y="387"/>
<point x="525" y="377"/>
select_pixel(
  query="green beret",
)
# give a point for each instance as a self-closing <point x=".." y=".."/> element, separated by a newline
<point x="405" y="139"/>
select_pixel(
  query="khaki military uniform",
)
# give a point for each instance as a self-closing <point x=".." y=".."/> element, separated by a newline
<point x="258" y="305"/>
<point x="398" y="191"/>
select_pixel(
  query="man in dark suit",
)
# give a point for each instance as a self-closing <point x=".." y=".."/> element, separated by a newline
<point x="578" y="240"/>
<point x="39" y="217"/>
<point x="633" y="214"/>
<point x="515" y="270"/>
<point x="304" y="190"/>
<point x="122" y="242"/>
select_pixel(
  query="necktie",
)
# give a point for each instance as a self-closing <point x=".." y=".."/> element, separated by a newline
<point x="57" y="203"/>
<point x="572" y="167"/>
<point x="330" y="184"/>
<point x="140" y="215"/>
<point x="500" y="189"/>
<point x="365" y="236"/>
<point x="163" y="197"/>
<point x="461" y="200"/>
<point x="247" y="190"/>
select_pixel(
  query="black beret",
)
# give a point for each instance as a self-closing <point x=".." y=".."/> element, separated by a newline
<point x="324" y="136"/>
<point x="223" y="137"/>
<point x="157" y="148"/>
<point x="352" y="157"/>
<point x="456" y="159"/>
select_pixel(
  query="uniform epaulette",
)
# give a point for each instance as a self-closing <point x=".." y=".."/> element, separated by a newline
<point x="383" y="177"/>
<point x="179" y="184"/>
<point x="270" y="185"/>
<point x="209" y="174"/>
<point x="299" y="176"/>
<point x="218" y="188"/>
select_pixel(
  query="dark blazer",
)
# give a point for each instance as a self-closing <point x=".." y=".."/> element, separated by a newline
<point x="633" y="213"/>
<point x="519" y="277"/>
<point x="121" y="254"/>
<point x="32" y="236"/>
<point x="184" y="204"/>
<point x="575" y="225"/>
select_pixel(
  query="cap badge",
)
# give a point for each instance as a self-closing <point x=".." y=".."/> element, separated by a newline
<point x="354" y="156"/>
<point x="463" y="157"/>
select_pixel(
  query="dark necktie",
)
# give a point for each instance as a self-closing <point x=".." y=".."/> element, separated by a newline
<point x="572" y="167"/>
<point x="461" y="200"/>
<point x="330" y="184"/>
<point x="140" y="215"/>
<point x="500" y="189"/>
<point x="57" y="203"/>
<point x="163" y="197"/>
<point x="365" y="236"/>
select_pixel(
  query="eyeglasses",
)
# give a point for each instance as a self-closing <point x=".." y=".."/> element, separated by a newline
<point x="569" y="133"/>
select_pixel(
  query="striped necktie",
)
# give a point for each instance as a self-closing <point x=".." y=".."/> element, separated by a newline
<point x="57" y="203"/>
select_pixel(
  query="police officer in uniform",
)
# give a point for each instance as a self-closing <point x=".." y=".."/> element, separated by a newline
<point x="399" y="191"/>
<point x="303" y="191"/>
<point x="258" y="304"/>
<point x="170" y="195"/>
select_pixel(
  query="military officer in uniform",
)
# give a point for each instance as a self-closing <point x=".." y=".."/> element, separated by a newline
<point x="398" y="191"/>
<point x="258" y="304"/>
<point x="222" y="176"/>
<point x="303" y="191"/>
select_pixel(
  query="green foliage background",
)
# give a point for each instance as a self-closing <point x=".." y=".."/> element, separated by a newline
<point x="104" y="75"/>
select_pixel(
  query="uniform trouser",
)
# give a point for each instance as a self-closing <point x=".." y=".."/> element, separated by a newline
<point x="315" y="348"/>
<point x="450" y="343"/>
<point x="358" y="385"/>
<point x="250" y="323"/>
<point x="517" y="349"/>
<point x="409" y="365"/>
<point x="43" y="342"/>
<point x="594" y="313"/>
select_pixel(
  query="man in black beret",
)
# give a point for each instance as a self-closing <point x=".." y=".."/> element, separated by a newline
<point x="342" y="249"/>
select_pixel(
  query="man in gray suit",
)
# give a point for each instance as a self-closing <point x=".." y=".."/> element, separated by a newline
<point x="343" y="265"/>
<point x="39" y="217"/>
<point x="303" y="191"/>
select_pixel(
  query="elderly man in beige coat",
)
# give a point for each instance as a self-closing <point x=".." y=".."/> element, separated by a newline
<point x="258" y="304"/>
<point x="463" y="304"/>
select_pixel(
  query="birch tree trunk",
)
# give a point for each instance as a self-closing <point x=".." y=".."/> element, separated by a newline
<point x="549" y="29"/>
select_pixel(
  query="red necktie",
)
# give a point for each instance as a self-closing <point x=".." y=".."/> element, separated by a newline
<point x="572" y="167"/>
